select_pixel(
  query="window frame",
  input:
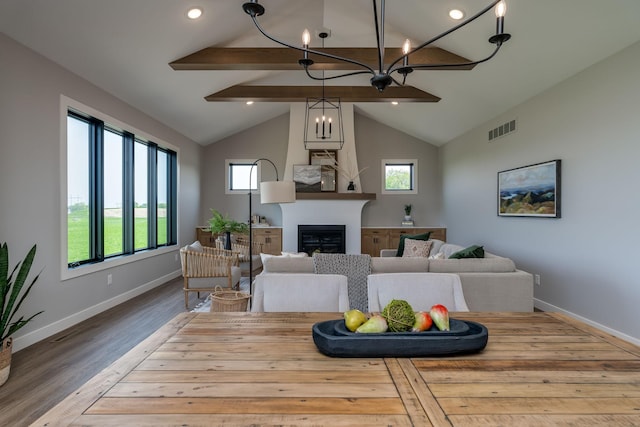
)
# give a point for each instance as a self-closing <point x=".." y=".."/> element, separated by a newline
<point x="130" y="254"/>
<point x="257" y="171"/>
<point x="414" y="175"/>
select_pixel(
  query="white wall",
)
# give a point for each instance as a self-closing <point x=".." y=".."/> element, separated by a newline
<point x="30" y="188"/>
<point x="587" y="260"/>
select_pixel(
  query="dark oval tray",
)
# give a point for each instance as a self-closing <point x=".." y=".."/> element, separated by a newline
<point x="398" y="344"/>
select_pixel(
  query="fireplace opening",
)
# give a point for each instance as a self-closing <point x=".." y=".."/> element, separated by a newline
<point x="321" y="238"/>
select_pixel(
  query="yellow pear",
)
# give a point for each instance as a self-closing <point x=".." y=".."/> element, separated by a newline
<point x="353" y="319"/>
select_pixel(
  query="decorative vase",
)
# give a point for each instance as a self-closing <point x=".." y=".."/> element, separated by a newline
<point x="351" y="186"/>
<point x="407" y="217"/>
<point x="227" y="240"/>
<point x="5" y="360"/>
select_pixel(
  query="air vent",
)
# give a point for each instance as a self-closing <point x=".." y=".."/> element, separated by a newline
<point x="502" y="130"/>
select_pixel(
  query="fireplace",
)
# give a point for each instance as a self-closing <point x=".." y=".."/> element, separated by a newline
<point x="321" y="238"/>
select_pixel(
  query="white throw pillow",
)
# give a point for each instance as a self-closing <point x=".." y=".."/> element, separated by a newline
<point x="195" y="247"/>
<point x="416" y="248"/>
<point x="295" y="254"/>
<point x="439" y="255"/>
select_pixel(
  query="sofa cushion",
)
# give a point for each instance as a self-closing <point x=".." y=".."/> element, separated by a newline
<point x="492" y="264"/>
<point x="285" y="264"/>
<point x="473" y="251"/>
<point x="416" y="248"/>
<point x="424" y="236"/>
<point x="399" y="265"/>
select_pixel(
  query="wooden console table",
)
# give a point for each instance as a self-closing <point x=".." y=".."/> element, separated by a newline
<point x="538" y="369"/>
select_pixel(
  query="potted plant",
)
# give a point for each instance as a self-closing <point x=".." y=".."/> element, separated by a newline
<point x="407" y="212"/>
<point x="219" y="223"/>
<point x="11" y="285"/>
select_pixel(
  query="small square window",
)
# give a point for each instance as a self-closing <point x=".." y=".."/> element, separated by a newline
<point x="239" y="173"/>
<point x="399" y="176"/>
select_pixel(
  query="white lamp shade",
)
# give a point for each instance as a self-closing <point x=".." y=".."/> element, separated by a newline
<point x="277" y="192"/>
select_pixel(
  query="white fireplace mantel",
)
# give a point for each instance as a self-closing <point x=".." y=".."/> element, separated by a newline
<point x="347" y="212"/>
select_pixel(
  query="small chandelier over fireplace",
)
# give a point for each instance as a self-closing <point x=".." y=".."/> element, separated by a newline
<point x="323" y="116"/>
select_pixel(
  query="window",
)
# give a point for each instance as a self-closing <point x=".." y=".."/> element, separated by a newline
<point x="400" y="176"/>
<point x="121" y="192"/>
<point x="239" y="172"/>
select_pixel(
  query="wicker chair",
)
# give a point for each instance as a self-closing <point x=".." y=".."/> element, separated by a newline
<point x="204" y="268"/>
<point x="241" y="248"/>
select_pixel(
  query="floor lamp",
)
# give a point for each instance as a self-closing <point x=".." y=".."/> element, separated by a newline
<point x="270" y="192"/>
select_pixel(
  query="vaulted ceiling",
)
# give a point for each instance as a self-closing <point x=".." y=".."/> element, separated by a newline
<point x="147" y="53"/>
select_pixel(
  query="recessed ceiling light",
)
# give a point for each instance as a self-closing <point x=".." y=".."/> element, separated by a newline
<point x="394" y="102"/>
<point x="194" y="13"/>
<point x="249" y="102"/>
<point x="456" y="14"/>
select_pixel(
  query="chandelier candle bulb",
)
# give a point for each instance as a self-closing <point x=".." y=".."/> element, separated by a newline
<point x="405" y="49"/>
<point x="306" y="38"/>
<point x="501" y="10"/>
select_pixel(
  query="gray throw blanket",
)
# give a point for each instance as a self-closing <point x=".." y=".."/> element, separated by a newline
<point x="355" y="267"/>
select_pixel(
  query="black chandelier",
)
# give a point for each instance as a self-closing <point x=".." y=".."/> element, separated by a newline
<point x="382" y="78"/>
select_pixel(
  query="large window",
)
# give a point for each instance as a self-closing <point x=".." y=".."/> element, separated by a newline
<point x="400" y="176"/>
<point x="121" y="192"/>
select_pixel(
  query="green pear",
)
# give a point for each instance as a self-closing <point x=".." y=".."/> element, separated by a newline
<point x="375" y="325"/>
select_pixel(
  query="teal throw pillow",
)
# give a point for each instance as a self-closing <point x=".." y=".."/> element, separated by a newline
<point x="474" y="251"/>
<point x="424" y="236"/>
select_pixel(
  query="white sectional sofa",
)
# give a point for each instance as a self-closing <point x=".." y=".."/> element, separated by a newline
<point x="492" y="283"/>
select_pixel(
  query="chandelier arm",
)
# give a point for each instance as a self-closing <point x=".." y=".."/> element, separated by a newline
<point x="315" y="52"/>
<point x="353" y="73"/>
<point x="436" y="66"/>
<point x="446" y="33"/>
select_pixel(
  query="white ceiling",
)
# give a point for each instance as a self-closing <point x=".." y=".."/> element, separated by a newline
<point x="125" y="46"/>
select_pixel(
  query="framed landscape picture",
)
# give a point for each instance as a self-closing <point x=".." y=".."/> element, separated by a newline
<point x="532" y="191"/>
<point x="307" y="178"/>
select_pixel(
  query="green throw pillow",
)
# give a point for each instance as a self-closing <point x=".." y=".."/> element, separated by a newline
<point x="474" y="251"/>
<point x="424" y="236"/>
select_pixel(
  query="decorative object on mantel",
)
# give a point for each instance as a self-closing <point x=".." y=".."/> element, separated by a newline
<point x="219" y="223"/>
<point x="10" y="301"/>
<point x="349" y="170"/>
<point x="307" y="178"/>
<point x="328" y="175"/>
<point x="382" y="76"/>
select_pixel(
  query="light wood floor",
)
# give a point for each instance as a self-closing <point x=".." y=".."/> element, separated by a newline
<point x="45" y="373"/>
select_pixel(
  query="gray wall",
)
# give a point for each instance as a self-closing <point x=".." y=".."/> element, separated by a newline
<point x="374" y="142"/>
<point x="30" y="189"/>
<point x="586" y="259"/>
<point x="267" y="140"/>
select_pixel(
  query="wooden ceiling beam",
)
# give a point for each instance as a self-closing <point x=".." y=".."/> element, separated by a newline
<point x="251" y="58"/>
<point x="242" y="93"/>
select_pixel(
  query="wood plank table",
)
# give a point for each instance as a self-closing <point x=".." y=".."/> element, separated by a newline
<point x="210" y="369"/>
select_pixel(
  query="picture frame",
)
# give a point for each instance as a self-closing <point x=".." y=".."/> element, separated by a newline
<point x="307" y="178"/>
<point x="326" y="159"/>
<point x="530" y="191"/>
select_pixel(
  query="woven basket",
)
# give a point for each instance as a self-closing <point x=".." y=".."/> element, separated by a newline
<point x="5" y="360"/>
<point x="223" y="301"/>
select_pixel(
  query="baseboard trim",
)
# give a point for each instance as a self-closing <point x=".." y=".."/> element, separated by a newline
<point x="544" y="306"/>
<point x="45" y="332"/>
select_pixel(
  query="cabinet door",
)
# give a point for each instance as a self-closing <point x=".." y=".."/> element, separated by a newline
<point x="204" y="236"/>
<point x="373" y="240"/>
<point x="394" y="234"/>
<point x="270" y="238"/>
